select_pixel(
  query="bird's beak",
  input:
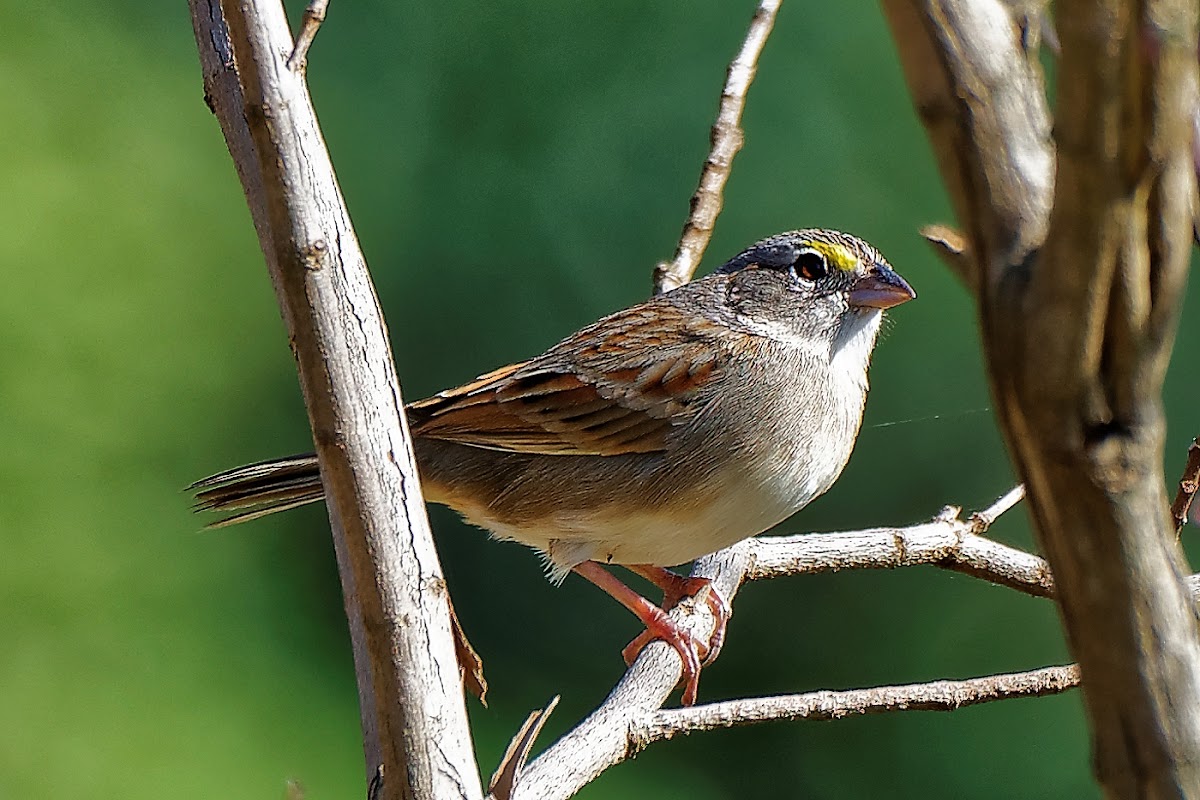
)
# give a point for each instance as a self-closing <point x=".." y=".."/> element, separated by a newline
<point x="880" y="288"/>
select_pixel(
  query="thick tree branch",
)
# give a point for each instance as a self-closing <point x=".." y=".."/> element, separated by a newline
<point x="1085" y="413"/>
<point x="414" y="717"/>
<point x="727" y="139"/>
<point x="1078" y="306"/>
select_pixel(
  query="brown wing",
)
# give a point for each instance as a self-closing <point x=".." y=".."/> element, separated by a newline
<point x="614" y="387"/>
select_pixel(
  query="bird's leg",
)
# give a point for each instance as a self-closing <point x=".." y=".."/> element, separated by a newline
<point x="675" y="588"/>
<point x="658" y="625"/>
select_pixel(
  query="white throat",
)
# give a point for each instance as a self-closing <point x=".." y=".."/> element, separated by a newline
<point x="852" y="347"/>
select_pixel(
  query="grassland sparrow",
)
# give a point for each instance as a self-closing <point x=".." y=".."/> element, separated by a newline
<point x="656" y="435"/>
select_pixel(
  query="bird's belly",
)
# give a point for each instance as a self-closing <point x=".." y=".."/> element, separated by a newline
<point x="664" y="537"/>
<point x="682" y="528"/>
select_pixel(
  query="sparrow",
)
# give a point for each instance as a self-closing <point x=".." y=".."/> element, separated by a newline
<point x="657" y="435"/>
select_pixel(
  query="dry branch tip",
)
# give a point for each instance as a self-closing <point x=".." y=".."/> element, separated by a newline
<point x="981" y="521"/>
<point x="504" y="779"/>
<point x="1189" y="485"/>
<point x="314" y="15"/>
<point x="727" y="139"/>
<point x="951" y="248"/>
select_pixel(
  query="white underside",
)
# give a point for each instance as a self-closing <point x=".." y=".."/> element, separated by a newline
<point x="748" y="505"/>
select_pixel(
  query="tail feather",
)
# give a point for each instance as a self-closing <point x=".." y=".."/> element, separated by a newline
<point x="244" y="495"/>
<point x="259" y="489"/>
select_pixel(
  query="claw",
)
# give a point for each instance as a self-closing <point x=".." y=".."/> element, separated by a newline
<point x="676" y="588"/>
<point x="691" y="652"/>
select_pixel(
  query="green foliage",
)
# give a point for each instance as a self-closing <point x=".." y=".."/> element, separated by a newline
<point x="514" y="171"/>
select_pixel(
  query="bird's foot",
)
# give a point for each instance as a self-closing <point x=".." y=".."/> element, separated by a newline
<point x="691" y="651"/>
<point x="658" y="624"/>
<point x="675" y="589"/>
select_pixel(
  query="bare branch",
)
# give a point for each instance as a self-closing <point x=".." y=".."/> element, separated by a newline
<point x="413" y="712"/>
<point x="599" y="741"/>
<point x="947" y="542"/>
<point x="314" y="15"/>
<point x="982" y="520"/>
<point x="945" y="695"/>
<point x="1080" y="378"/>
<point x="727" y="140"/>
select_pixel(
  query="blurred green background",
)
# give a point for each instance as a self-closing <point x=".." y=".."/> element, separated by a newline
<point x="514" y="171"/>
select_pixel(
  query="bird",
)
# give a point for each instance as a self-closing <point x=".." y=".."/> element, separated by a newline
<point x="661" y="433"/>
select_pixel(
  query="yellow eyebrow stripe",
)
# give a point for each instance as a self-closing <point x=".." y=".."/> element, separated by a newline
<point x="837" y="255"/>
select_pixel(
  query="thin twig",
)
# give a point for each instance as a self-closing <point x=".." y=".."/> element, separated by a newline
<point x="727" y="140"/>
<point x="946" y="695"/>
<point x="314" y="15"/>
<point x="1189" y="485"/>
<point x="982" y="520"/>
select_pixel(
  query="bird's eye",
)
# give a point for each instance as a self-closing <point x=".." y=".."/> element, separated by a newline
<point x="811" y="265"/>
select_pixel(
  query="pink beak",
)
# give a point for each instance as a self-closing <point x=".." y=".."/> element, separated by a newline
<point x="881" y="288"/>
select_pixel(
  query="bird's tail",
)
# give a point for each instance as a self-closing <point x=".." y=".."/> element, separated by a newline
<point x="259" y="489"/>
